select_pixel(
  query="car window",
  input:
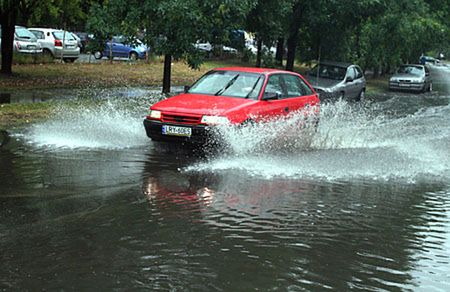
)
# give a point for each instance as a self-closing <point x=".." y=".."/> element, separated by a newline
<point x="274" y="85"/>
<point x="59" y="35"/>
<point x="24" y="33"/>
<point x="295" y="86"/>
<point x="359" y="73"/>
<point x="328" y="71"/>
<point x="39" y="34"/>
<point x="414" y="70"/>
<point x="229" y="83"/>
<point x="119" y="39"/>
<point x="351" y="73"/>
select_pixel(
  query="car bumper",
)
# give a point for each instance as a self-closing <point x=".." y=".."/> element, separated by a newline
<point x="67" y="53"/>
<point x="200" y="134"/>
<point x="32" y="51"/>
<point x="407" y="87"/>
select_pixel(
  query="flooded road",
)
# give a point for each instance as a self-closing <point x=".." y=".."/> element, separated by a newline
<point x="88" y="201"/>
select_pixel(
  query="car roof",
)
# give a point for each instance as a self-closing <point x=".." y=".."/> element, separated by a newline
<point x="253" y="70"/>
<point x="44" y="29"/>
<point x="337" y="64"/>
<point x="413" y="65"/>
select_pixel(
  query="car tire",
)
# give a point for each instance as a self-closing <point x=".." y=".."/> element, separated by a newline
<point x="69" y="60"/>
<point x="98" y="55"/>
<point x="48" y="53"/>
<point x="133" y="56"/>
<point x="362" y="95"/>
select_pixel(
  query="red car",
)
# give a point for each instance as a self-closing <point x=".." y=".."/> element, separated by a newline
<point x="234" y="95"/>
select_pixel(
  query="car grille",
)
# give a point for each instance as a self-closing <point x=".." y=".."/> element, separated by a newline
<point x="181" y="118"/>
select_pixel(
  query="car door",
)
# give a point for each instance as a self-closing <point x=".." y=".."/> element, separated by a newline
<point x="360" y="81"/>
<point x="119" y="47"/>
<point x="284" y="94"/>
<point x="351" y="83"/>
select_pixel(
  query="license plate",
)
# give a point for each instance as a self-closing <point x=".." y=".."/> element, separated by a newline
<point x="70" y="46"/>
<point x="176" y="131"/>
<point x="31" y="47"/>
<point x="404" y="85"/>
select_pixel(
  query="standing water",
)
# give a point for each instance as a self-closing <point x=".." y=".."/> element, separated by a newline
<point x="363" y="203"/>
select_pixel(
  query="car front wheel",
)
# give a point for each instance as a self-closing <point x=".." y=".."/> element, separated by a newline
<point x="133" y="56"/>
<point x="98" y="55"/>
<point x="362" y="95"/>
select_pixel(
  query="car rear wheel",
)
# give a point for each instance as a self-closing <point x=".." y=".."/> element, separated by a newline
<point x="133" y="56"/>
<point x="48" y="53"/>
<point x="98" y="55"/>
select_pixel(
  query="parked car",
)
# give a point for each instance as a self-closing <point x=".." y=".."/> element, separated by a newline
<point x="24" y="41"/>
<point x="53" y="40"/>
<point x="234" y="95"/>
<point x="120" y="47"/>
<point x="83" y="40"/>
<point x="411" y="77"/>
<point x="333" y="80"/>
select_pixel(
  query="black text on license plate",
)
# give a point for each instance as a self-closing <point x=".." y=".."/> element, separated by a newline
<point x="176" y="131"/>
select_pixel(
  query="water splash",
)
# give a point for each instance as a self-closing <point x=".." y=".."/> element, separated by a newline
<point x="107" y="124"/>
<point x="352" y="142"/>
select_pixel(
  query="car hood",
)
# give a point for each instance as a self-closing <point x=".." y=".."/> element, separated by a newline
<point x="405" y="76"/>
<point x="322" y="82"/>
<point x="201" y="104"/>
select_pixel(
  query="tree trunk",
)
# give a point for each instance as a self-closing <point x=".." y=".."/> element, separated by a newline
<point x="8" y="21"/>
<point x="291" y="47"/>
<point x="258" y="52"/>
<point x="280" y="52"/>
<point x="292" y="40"/>
<point x="166" y="74"/>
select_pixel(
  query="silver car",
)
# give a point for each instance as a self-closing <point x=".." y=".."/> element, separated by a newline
<point x="333" y="80"/>
<point x="24" y="41"/>
<point x="411" y="77"/>
<point x="53" y="40"/>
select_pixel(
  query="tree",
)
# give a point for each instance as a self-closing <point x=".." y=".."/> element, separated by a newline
<point x="8" y="17"/>
<point x="266" y="20"/>
<point x="171" y="27"/>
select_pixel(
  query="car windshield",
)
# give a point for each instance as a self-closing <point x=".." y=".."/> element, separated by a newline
<point x="24" y="33"/>
<point x="328" y="71"/>
<point x="229" y="83"/>
<point x="413" y="70"/>
<point x="60" y="34"/>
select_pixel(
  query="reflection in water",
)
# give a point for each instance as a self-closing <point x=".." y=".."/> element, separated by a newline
<point x="309" y="235"/>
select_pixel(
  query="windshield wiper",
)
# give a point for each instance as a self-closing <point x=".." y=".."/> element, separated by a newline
<point x="254" y="86"/>
<point x="222" y="90"/>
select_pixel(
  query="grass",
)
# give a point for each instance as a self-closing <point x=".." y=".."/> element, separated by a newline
<point x="105" y="74"/>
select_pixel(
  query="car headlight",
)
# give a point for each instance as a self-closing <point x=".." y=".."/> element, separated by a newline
<point x="214" y="120"/>
<point x="155" y="114"/>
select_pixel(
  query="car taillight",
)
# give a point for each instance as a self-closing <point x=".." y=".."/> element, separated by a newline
<point x="58" y="43"/>
<point x="18" y="45"/>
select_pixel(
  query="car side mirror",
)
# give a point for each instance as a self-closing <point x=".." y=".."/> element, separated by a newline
<point x="186" y="88"/>
<point x="271" y="95"/>
<point x="348" y="79"/>
<point x="427" y="74"/>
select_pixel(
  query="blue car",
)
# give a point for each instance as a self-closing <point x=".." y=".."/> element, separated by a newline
<point x="123" y="49"/>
